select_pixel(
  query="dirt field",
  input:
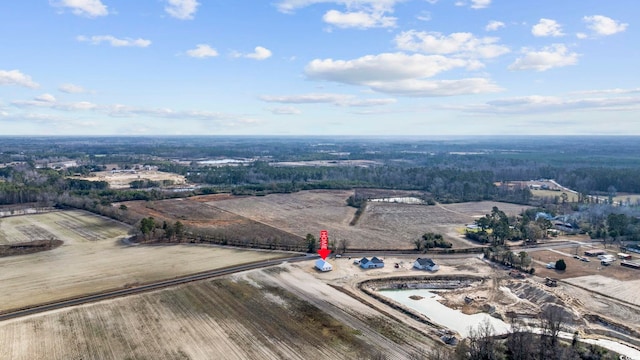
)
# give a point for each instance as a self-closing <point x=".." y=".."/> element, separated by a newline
<point x="382" y="226"/>
<point x="280" y="313"/>
<point x="92" y="259"/>
<point x="121" y="180"/>
<point x="212" y="222"/>
<point x="293" y="311"/>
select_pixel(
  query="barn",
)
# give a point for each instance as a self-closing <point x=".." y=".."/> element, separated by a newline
<point x="426" y="264"/>
<point x="323" y="265"/>
<point x="374" y="263"/>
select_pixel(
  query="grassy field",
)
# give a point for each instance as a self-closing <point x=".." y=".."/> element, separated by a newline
<point x="92" y="259"/>
<point x="571" y="197"/>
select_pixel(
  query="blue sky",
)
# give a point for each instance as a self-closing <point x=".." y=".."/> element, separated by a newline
<point x="319" y="67"/>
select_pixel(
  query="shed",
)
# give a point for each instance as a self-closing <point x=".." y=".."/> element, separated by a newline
<point x="323" y="265"/>
<point x="426" y="264"/>
<point x="365" y="263"/>
<point x="595" y="252"/>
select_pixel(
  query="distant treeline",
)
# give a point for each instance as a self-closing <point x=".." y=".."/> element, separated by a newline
<point x="449" y="170"/>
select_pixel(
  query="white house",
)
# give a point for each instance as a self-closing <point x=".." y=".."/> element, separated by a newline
<point x="426" y="264"/>
<point x="323" y="265"/>
<point x="365" y="263"/>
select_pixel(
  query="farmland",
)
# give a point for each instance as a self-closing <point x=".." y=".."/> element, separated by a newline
<point x="382" y="226"/>
<point x="92" y="259"/>
<point x="262" y="314"/>
<point x="289" y="311"/>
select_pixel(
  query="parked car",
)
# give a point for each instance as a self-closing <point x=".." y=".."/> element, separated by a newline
<point x="585" y="259"/>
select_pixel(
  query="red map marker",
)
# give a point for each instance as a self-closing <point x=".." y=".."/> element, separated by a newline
<point x="324" y="244"/>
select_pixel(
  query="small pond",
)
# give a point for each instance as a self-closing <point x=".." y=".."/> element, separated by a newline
<point x="441" y="314"/>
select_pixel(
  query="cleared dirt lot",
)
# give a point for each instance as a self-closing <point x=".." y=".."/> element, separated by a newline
<point x="92" y="259"/>
<point x="122" y="180"/>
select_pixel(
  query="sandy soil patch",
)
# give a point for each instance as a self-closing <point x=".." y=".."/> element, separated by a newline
<point x="121" y="180"/>
<point x="92" y="260"/>
<point x="577" y="268"/>
<point x="624" y="290"/>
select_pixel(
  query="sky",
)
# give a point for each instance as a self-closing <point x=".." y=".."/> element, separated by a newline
<point x="319" y="67"/>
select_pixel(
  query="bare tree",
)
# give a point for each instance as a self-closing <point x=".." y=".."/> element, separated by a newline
<point x="520" y="342"/>
<point x="482" y="345"/>
<point x="552" y="320"/>
<point x="344" y="244"/>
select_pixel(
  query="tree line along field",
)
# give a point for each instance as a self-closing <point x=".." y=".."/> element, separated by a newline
<point x="93" y="259"/>
<point x="381" y="226"/>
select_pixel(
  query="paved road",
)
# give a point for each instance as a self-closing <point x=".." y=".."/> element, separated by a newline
<point x="147" y="287"/>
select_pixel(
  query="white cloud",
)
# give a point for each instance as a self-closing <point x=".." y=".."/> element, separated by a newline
<point x="181" y="9"/>
<point x="465" y="44"/>
<point x="547" y="27"/>
<point x="602" y="25"/>
<point x="581" y="35"/>
<point x="494" y="25"/>
<point x="289" y="6"/>
<point x="401" y="74"/>
<point x="114" y="41"/>
<point x="46" y="98"/>
<point x="15" y="77"/>
<point x="428" y="88"/>
<point x="49" y="101"/>
<point x="124" y="111"/>
<point x="358" y="19"/>
<point x="202" y="51"/>
<point x="361" y="14"/>
<point x="260" y="53"/>
<point x="88" y="8"/>
<point x="480" y="4"/>
<point x="382" y="67"/>
<point x="608" y="92"/>
<point x="536" y="104"/>
<point x="72" y="89"/>
<point x="549" y="57"/>
<point x="285" y="110"/>
<point x="424" y="16"/>
<point x="335" y="99"/>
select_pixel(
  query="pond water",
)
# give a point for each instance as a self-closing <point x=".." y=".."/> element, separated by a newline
<point x="400" y="200"/>
<point x="441" y="314"/>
